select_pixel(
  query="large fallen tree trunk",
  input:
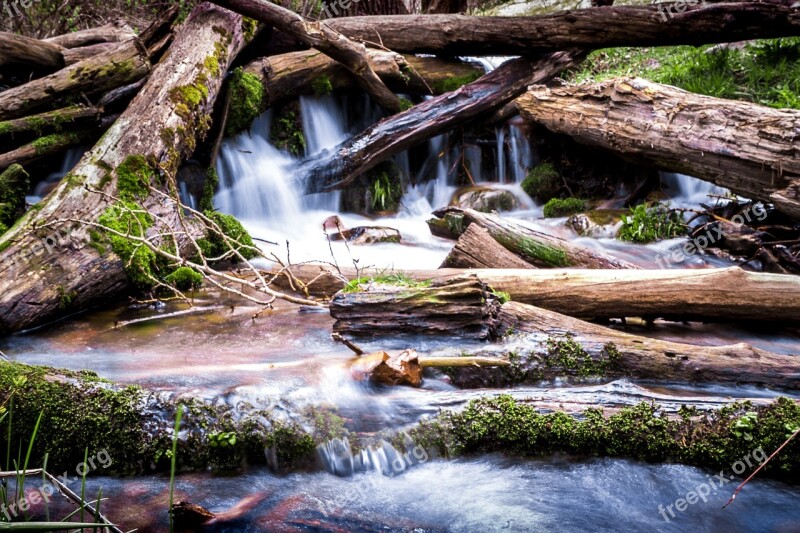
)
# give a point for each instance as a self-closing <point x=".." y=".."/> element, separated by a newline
<point x="752" y="150"/>
<point x="585" y="28"/>
<point x="583" y="348"/>
<point x="537" y="248"/>
<point x="113" y="32"/>
<point x="336" y="168"/>
<point x="25" y="51"/>
<point x="710" y="295"/>
<point x="50" y="120"/>
<point x="320" y="36"/>
<point x="477" y="249"/>
<point x="38" y="280"/>
<point x="288" y="75"/>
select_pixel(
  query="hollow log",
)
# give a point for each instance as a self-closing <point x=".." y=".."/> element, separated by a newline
<point x="752" y="150"/>
<point x="201" y="52"/>
<point x="50" y="120"/>
<point x="113" y="32"/>
<point x="535" y="247"/>
<point x="288" y="75"/>
<point x="337" y="168"/>
<point x="477" y="249"/>
<point x="566" y="340"/>
<point x="460" y="35"/>
<point x="462" y="307"/>
<point x="26" y="51"/>
<point x="319" y="35"/>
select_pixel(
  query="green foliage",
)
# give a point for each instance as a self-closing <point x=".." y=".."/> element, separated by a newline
<point x="214" y="245"/>
<point x="543" y="182"/>
<point x="184" y="279"/>
<point x="129" y="219"/>
<point x="65" y="297"/>
<point x="648" y="223"/>
<point x="14" y="185"/>
<point x="405" y="104"/>
<point x="206" y="202"/>
<point x="385" y="192"/>
<point x="454" y="82"/>
<point x="287" y="132"/>
<point x="568" y="356"/>
<point x="247" y="101"/>
<point x="396" y="278"/>
<point x="502" y="296"/>
<point x="134" y="176"/>
<point x="742" y="426"/>
<point x="222" y="439"/>
<point x="322" y="85"/>
<point x="557" y="207"/>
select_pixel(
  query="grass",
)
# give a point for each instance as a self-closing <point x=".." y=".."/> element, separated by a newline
<point x="395" y="278"/>
<point x="765" y="72"/>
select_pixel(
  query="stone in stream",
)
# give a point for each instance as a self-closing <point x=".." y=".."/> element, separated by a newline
<point x="190" y="516"/>
<point x="485" y="199"/>
<point x="336" y="231"/>
<point x="402" y="368"/>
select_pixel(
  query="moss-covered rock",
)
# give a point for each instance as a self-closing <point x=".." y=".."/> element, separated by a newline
<point x="215" y="246"/>
<point x="128" y="219"/>
<point x="557" y="207"/>
<point x="454" y="82"/>
<point x="543" y="182"/>
<point x="322" y="85"/>
<point x="246" y="101"/>
<point x="184" y="279"/>
<point x="14" y="185"/>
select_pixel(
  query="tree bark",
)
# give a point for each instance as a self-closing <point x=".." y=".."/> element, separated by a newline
<point x="320" y="36"/>
<point x="460" y="35"/>
<point x="25" y="51"/>
<point x="54" y="144"/>
<point x="477" y="249"/>
<point x="460" y="307"/>
<point x="336" y="168"/>
<point x="641" y="357"/>
<point x="288" y="75"/>
<point x="50" y="120"/>
<point x="750" y="149"/>
<point x="203" y="48"/>
<point x="76" y="55"/>
<point x="113" y="32"/>
<point x="539" y="249"/>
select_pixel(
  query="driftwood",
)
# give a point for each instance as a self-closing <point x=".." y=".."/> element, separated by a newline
<point x="460" y="35"/>
<point x="83" y="274"/>
<point x="320" y="36"/>
<point x="26" y="51"/>
<point x="750" y="149"/>
<point x="537" y="248"/>
<point x="338" y="167"/>
<point x="477" y="249"/>
<point x="460" y="307"/>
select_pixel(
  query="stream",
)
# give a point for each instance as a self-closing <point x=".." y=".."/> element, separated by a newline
<point x="286" y="360"/>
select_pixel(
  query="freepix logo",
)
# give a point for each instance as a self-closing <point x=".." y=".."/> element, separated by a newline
<point x="665" y="8"/>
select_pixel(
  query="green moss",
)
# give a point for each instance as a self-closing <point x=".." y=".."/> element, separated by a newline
<point x="322" y="85"/>
<point x="6" y="127"/>
<point x="206" y="202"/>
<point x="405" y="104"/>
<point x="534" y="251"/>
<point x="503" y="424"/>
<point x="247" y="97"/>
<point x="190" y="95"/>
<point x="397" y="279"/>
<point x="557" y="207"/>
<point x="287" y="130"/>
<point x="14" y="185"/>
<point x="134" y="177"/>
<point x="502" y="296"/>
<point x="249" y="28"/>
<point x="44" y="145"/>
<point x="568" y="357"/>
<point x="214" y="246"/>
<point x="65" y="298"/>
<point x="3" y="229"/>
<point x="453" y="82"/>
<point x="543" y="182"/>
<point x="184" y="279"/>
<point x="129" y="218"/>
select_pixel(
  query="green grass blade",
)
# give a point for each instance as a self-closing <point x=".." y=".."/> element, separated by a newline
<point x="174" y="460"/>
<point x="83" y="480"/>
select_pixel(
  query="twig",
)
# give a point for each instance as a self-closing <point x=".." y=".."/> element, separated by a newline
<point x="338" y="338"/>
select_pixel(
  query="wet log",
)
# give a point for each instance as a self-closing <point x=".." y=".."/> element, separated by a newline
<point x="535" y="247"/>
<point x="477" y="249"/>
<point x="288" y="75"/>
<point x="750" y="149"/>
<point x="581" y="348"/>
<point x="26" y="51"/>
<point x="319" y="35"/>
<point x="113" y="32"/>
<point x="201" y="52"/>
<point x="460" y="35"/>
<point x="337" y="168"/>
<point x="463" y="307"/>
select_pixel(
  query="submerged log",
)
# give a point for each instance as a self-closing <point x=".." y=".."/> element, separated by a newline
<point x="177" y="99"/>
<point x="477" y="249"/>
<point x="460" y="35"/>
<point x="337" y="168"/>
<point x="748" y="148"/>
<point x="583" y="348"/>
<point x="535" y="247"/>
<point x="462" y="307"/>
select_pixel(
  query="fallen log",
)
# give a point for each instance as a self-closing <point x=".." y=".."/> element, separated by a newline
<point x="113" y="32"/>
<point x="535" y="247"/>
<point x="709" y="295"/>
<point x="320" y="36"/>
<point x="76" y="55"/>
<point x="477" y="249"/>
<point x="462" y="307"/>
<point x="581" y="348"/>
<point x="750" y="149"/>
<point x="337" y="168"/>
<point x="288" y="75"/>
<point x="178" y="98"/>
<point x="28" y="52"/>
<point x="50" y="120"/>
<point x="48" y="145"/>
<point x="460" y="35"/>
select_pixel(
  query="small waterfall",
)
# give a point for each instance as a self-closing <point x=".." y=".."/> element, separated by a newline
<point x="688" y="191"/>
<point x="500" y="134"/>
<point x="520" y="151"/>
<point x="337" y="457"/>
<point x="323" y="123"/>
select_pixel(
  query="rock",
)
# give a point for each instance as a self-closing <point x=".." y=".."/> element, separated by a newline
<point x="336" y="231"/>
<point x="582" y="225"/>
<point x="402" y="368"/>
<point x="189" y="516"/>
<point x="485" y="199"/>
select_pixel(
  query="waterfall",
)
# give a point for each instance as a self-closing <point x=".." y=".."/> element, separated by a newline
<point x="337" y="457"/>
<point x="500" y="135"/>
<point x="688" y="191"/>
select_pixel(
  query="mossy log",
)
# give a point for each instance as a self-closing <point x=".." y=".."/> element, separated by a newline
<point x="460" y="35"/>
<point x="750" y="149"/>
<point x="353" y="56"/>
<point x="535" y="247"/>
<point x="113" y="32"/>
<point x="28" y="52"/>
<point x="574" y="346"/>
<point x="48" y="145"/>
<point x="14" y="185"/>
<point x="338" y="167"/>
<point x="177" y="99"/>
<point x="76" y="55"/>
<point x="462" y="307"/>
<point x="50" y="120"/>
<point x="477" y="249"/>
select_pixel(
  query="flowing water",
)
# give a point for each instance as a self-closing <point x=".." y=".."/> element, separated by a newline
<point x="287" y="360"/>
